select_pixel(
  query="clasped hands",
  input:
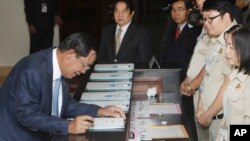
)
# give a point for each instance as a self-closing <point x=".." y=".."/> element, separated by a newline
<point x="81" y="124"/>
<point x="186" y="88"/>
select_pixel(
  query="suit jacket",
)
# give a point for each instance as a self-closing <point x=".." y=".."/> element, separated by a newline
<point x="34" y="15"/>
<point x="177" y="53"/>
<point x="26" y="99"/>
<point x="136" y="46"/>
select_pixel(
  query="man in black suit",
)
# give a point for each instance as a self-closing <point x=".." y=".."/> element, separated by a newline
<point x="176" y="52"/>
<point x="41" y="16"/>
<point x="133" y="45"/>
<point x="177" y="48"/>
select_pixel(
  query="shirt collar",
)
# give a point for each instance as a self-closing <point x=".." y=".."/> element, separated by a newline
<point x="238" y="75"/>
<point x="56" y="69"/>
<point x="124" y="28"/>
<point x="181" y="26"/>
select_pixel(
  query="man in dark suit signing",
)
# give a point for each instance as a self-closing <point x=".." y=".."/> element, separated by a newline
<point x="125" y="41"/>
<point x="35" y="101"/>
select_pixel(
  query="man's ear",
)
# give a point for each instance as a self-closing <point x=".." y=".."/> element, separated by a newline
<point x="133" y="12"/>
<point x="227" y="16"/>
<point x="92" y="56"/>
<point x="69" y="53"/>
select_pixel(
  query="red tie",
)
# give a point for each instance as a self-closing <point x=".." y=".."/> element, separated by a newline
<point x="177" y="33"/>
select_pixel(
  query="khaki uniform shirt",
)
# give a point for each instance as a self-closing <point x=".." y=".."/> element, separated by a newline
<point x="216" y="69"/>
<point x="236" y="102"/>
<point x="199" y="56"/>
<point x="197" y="61"/>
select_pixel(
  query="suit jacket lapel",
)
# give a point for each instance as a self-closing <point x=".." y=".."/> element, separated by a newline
<point x="184" y="30"/>
<point x="49" y="78"/>
<point x="64" y="96"/>
<point x="112" y="34"/>
<point x="127" y="37"/>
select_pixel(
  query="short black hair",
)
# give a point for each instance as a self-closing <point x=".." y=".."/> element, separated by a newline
<point x="188" y="3"/>
<point x="82" y="43"/>
<point x="130" y="4"/>
<point x="222" y="6"/>
<point x="240" y="39"/>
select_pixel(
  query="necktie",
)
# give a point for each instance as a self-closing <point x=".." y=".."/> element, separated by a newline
<point x="118" y="40"/>
<point x="177" y="33"/>
<point x="55" y="96"/>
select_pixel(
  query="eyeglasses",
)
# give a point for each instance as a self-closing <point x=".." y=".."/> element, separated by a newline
<point x="210" y="19"/>
<point x="85" y="65"/>
<point x="177" y="10"/>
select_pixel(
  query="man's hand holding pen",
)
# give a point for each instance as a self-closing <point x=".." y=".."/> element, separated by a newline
<point x="81" y="124"/>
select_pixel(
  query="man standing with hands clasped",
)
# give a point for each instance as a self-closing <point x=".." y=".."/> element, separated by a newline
<point x="217" y="19"/>
<point x="35" y="100"/>
<point x="125" y="41"/>
<point x="41" y="16"/>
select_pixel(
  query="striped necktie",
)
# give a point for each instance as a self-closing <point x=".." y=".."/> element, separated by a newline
<point x="118" y="40"/>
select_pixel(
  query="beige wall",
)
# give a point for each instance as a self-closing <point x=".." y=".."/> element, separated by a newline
<point x="14" y="37"/>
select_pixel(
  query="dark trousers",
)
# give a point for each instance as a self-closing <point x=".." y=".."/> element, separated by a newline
<point x="188" y="113"/>
<point x="41" y="40"/>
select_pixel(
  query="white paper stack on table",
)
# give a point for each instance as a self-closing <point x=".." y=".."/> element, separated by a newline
<point x="113" y="67"/>
<point x="109" y="86"/>
<point x="124" y="105"/>
<point x="111" y="76"/>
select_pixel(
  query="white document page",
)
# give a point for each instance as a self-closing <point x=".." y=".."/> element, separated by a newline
<point x="169" y="131"/>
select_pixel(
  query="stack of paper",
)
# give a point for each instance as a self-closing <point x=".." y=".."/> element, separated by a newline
<point x="124" y="105"/>
<point x="109" y="86"/>
<point x="113" y="67"/>
<point x="116" y="95"/>
<point x="118" y="76"/>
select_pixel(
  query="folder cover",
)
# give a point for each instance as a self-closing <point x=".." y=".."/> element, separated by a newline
<point x="116" y="95"/>
<point x="124" y="105"/>
<point x="112" y="76"/>
<point x="109" y="86"/>
<point x="114" y="67"/>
